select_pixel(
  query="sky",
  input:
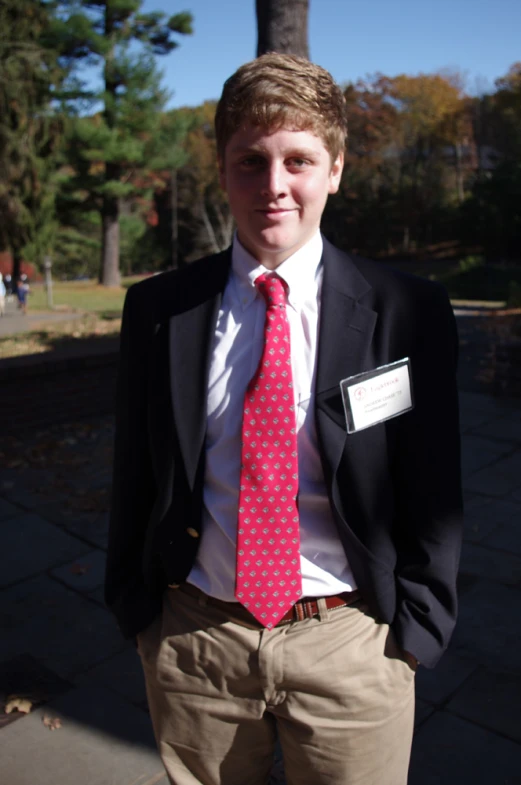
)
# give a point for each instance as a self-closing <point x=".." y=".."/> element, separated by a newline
<point x="351" y="38"/>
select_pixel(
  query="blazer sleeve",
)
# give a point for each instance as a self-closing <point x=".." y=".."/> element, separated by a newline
<point x="133" y="487"/>
<point x="427" y="481"/>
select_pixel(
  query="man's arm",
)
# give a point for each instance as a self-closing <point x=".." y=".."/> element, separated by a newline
<point x="427" y="482"/>
<point x="133" y="488"/>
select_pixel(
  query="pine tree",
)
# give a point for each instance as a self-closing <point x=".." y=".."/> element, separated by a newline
<point x="30" y="131"/>
<point x="112" y="147"/>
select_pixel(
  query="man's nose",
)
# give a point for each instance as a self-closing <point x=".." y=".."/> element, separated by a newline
<point x="275" y="184"/>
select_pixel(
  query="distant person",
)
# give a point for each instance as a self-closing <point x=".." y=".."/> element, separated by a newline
<point x="22" y="290"/>
<point x="286" y="514"/>
<point x="9" y="287"/>
<point x="3" y="291"/>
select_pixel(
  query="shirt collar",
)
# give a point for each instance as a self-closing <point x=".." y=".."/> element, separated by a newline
<point x="299" y="271"/>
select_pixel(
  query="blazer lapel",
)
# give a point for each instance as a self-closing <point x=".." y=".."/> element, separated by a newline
<point x="344" y="348"/>
<point x="190" y="343"/>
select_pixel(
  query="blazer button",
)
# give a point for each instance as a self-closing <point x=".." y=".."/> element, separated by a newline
<point x="192" y="532"/>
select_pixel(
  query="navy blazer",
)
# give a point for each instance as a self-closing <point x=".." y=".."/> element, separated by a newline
<point x="394" y="488"/>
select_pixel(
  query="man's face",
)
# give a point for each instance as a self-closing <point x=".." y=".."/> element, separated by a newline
<point x="277" y="185"/>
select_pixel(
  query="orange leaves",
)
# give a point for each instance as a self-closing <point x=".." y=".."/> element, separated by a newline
<point x="17" y="703"/>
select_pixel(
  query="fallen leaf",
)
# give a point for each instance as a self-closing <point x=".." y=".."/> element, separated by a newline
<point x="79" y="569"/>
<point x="53" y="723"/>
<point x="15" y="703"/>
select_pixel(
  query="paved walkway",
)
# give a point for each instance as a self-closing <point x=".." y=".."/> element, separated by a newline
<point x="60" y="648"/>
<point x="13" y="321"/>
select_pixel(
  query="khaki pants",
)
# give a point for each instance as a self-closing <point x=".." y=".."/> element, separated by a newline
<point x="333" y="688"/>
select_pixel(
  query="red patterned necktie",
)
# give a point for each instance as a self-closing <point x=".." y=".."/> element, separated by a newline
<point x="268" y="578"/>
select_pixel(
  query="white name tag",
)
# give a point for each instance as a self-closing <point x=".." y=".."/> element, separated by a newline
<point x="375" y="396"/>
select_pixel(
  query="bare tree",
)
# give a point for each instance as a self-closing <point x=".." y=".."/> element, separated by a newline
<point x="282" y="26"/>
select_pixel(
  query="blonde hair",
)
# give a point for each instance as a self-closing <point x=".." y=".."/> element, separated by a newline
<point x="281" y="90"/>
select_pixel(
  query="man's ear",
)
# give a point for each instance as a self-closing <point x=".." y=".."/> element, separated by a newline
<point x="222" y="176"/>
<point x="336" y="173"/>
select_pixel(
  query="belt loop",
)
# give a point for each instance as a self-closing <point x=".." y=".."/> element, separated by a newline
<point x="323" y="610"/>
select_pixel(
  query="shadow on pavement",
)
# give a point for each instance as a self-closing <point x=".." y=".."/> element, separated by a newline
<point x="61" y="650"/>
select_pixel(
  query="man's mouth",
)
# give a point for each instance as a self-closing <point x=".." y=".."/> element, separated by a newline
<point x="276" y="211"/>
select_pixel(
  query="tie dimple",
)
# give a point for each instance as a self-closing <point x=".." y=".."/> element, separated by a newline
<point x="268" y="577"/>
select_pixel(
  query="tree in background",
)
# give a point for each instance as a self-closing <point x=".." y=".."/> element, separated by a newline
<point x="491" y="218"/>
<point x="110" y="149"/>
<point x="411" y="164"/>
<point x="201" y="183"/>
<point x="355" y="218"/>
<point x="169" y="157"/>
<point x="30" y="131"/>
<point x="507" y="100"/>
<point x="434" y="132"/>
<point x="282" y="26"/>
<point x="193" y="197"/>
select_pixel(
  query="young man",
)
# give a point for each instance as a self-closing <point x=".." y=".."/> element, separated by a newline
<point x="285" y="547"/>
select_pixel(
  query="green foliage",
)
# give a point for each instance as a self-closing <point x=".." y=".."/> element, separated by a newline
<point x="77" y="248"/>
<point x="514" y="294"/>
<point x="430" y="173"/>
<point x="30" y="131"/>
<point x="470" y="262"/>
<point x="483" y="282"/>
<point x="132" y="229"/>
<point x="491" y="217"/>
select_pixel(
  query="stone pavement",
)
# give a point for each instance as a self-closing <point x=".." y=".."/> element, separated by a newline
<point x="59" y="646"/>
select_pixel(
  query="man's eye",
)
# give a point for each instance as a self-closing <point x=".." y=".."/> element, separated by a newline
<point x="298" y="163"/>
<point x="251" y="161"/>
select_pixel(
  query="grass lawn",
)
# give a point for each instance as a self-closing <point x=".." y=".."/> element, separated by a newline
<point x="486" y="282"/>
<point x="80" y="296"/>
<point x="101" y="307"/>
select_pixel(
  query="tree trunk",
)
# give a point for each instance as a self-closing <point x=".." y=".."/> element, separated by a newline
<point x="226" y="226"/>
<point x="282" y="26"/>
<point x="406" y="240"/>
<point x="460" y="191"/>
<point x="17" y="264"/>
<point x="109" y="273"/>
<point x="208" y="226"/>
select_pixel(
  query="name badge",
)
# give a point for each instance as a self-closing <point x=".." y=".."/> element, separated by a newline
<point x="375" y="396"/>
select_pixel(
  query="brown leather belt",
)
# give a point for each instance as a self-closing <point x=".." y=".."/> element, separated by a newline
<point x="306" y="608"/>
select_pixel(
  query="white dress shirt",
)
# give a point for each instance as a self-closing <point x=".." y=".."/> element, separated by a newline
<point x="236" y="353"/>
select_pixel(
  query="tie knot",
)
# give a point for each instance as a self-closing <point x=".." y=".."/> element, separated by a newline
<point x="272" y="288"/>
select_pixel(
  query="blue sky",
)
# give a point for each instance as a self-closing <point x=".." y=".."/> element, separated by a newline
<point x="351" y="38"/>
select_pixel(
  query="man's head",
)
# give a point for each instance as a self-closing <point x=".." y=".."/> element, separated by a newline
<point x="282" y="91"/>
<point x="280" y="134"/>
